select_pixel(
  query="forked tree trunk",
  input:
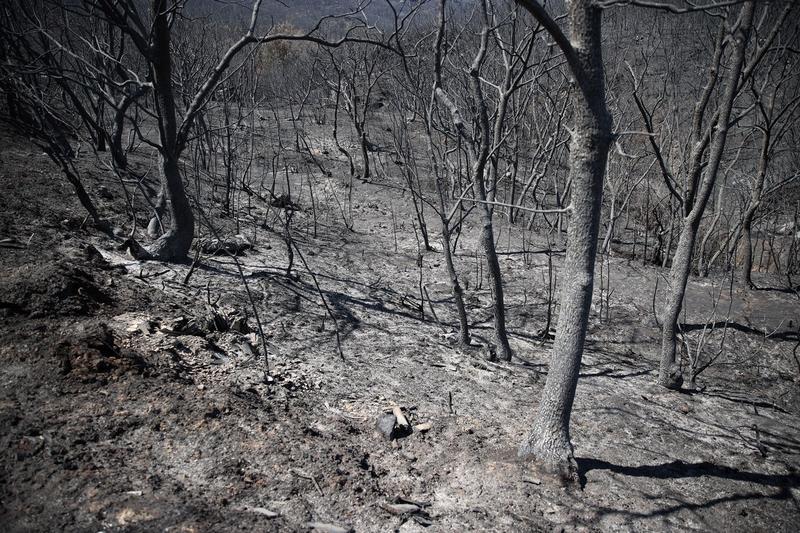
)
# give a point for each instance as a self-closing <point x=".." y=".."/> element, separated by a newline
<point x="549" y="440"/>
<point x="480" y="156"/>
<point x="670" y="374"/>
<point x="175" y="243"/>
<point x="479" y="173"/>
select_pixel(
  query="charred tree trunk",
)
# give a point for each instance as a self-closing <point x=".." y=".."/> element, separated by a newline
<point x="669" y="374"/>
<point x="455" y="286"/>
<point x="362" y="135"/>
<point x="175" y="243"/>
<point x="75" y="181"/>
<point x="747" y="250"/>
<point x="100" y="132"/>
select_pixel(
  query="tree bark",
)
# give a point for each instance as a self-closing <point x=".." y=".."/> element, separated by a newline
<point x="549" y="440"/>
<point x="747" y="251"/>
<point x="176" y="242"/>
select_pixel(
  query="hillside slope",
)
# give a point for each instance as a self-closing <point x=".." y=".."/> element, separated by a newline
<point x="124" y="408"/>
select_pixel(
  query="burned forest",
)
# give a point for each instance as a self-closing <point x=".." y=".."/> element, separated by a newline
<point x="399" y="265"/>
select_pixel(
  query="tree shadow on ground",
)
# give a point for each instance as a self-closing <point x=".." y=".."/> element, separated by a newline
<point x="781" y="485"/>
<point x="611" y="373"/>
<point x="780" y="336"/>
<point x="679" y="469"/>
<point x="786" y="290"/>
<point x="742" y="399"/>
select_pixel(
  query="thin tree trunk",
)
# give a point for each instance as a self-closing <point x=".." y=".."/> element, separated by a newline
<point x="747" y="251"/>
<point x="364" y="154"/>
<point x="479" y="172"/>
<point x="612" y="219"/>
<point x="99" y="131"/>
<point x="755" y="203"/>
<point x="458" y="293"/>
<point x="670" y="375"/>
<point x="703" y="266"/>
<point x="493" y="266"/>
<point x="512" y="194"/>
<point x="75" y="181"/>
<point x="438" y="172"/>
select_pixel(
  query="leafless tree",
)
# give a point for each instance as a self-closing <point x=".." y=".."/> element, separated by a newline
<point x="549" y="440"/>
<point x="148" y="64"/>
<point x="709" y="136"/>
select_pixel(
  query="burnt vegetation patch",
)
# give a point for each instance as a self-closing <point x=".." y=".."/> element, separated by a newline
<point x="409" y="265"/>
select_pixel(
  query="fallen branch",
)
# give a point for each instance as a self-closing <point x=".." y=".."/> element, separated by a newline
<point x="305" y="475"/>
<point x="194" y="265"/>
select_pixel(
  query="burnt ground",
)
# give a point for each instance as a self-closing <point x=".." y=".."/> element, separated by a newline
<point x="125" y="406"/>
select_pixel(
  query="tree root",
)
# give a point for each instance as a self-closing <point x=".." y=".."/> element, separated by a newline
<point x="671" y="379"/>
